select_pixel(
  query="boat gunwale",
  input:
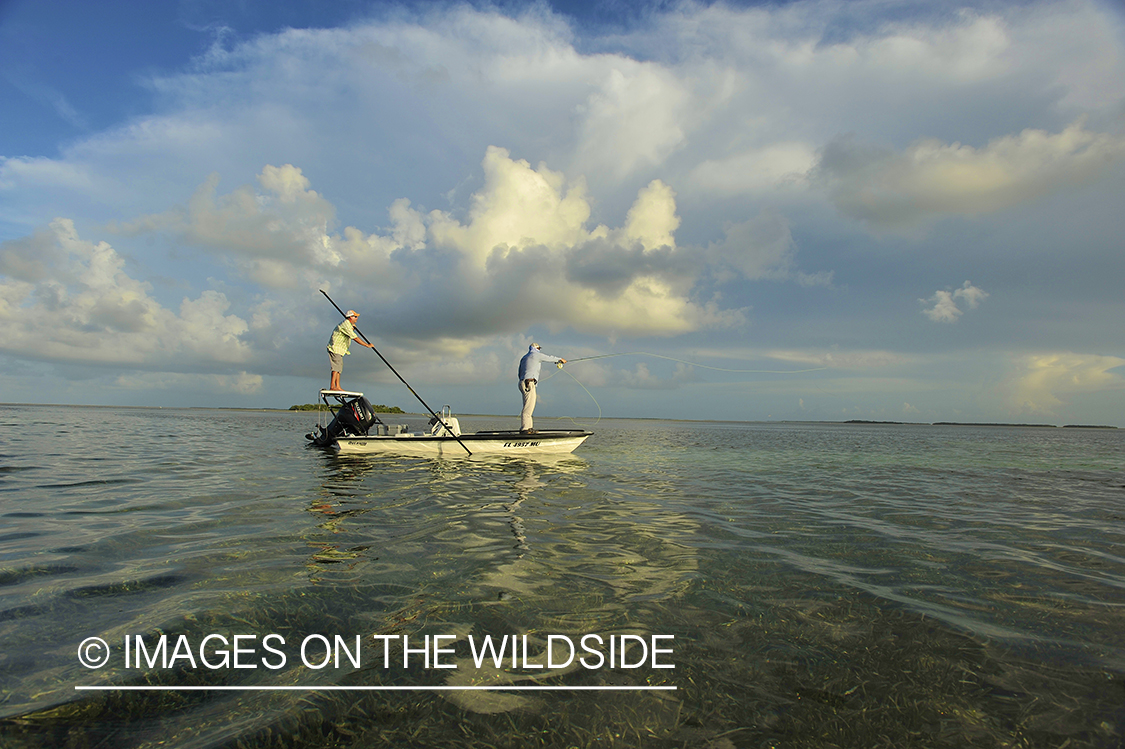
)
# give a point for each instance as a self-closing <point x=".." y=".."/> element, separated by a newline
<point x="549" y="435"/>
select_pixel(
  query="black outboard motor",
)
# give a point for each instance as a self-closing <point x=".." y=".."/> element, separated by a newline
<point x="353" y="419"/>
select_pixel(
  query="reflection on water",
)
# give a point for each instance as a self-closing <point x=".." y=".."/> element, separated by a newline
<point x="825" y="584"/>
<point x="505" y="529"/>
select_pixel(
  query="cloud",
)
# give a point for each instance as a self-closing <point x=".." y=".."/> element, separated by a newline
<point x="1042" y="383"/>
<point x="523" y="254"/>
<point x="721" y="100"/>
<point x="1075" y="48"/>
<point x="836" y="359"/>
<point x="771" y="167"/>
<point x="63" y="298"/>
<point x="971" y="294"/>
<point x="635" y="118"/>
<point x="762" y="247"/>
<point x="517" y="207"/>
<point x="274" y="235"/>
<point x="25" y="172"/>
<point x="547" y="266"/>
<point x="944" y="303"/>
<point x="640" y="378"/>
<point x="241" y="383"/>
<point x="944" y="309"/>
<point x="931" y="178"/>
<point x="652" y="221"/>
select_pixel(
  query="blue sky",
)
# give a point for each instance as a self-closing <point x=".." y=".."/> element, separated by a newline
<point x="807" y="210"/>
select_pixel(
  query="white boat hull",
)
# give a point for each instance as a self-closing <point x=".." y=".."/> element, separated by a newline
<point x="551" y="442"/>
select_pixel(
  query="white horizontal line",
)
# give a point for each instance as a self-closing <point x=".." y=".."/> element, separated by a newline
<point x="368" y="689"/>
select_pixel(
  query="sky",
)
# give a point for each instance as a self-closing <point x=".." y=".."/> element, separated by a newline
<point x="807" y="210"/>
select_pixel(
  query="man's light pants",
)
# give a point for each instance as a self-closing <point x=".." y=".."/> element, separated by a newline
<point x="527" y="390"/>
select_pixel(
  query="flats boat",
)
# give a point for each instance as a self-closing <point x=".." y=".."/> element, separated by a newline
<point x="355" y="428"/>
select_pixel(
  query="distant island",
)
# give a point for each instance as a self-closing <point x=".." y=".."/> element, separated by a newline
<point x="987" y="424"/>
<point x="378" y="408"/>
<point x="980" y="424"/>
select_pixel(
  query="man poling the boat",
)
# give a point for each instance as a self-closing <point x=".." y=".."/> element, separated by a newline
<point x="339" y="344"/>
<point x="528" y="377"/>
<point x="350" y="316"/>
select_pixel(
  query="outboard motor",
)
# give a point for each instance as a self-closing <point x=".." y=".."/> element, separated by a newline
<point x="353" y="419"/>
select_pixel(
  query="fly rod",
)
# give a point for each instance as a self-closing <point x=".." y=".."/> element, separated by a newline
<point x="404" y="382"/>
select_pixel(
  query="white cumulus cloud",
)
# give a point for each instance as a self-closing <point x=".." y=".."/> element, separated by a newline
<point x="64" y="298"/>
<point x="524" y="253"/>
<point x="945" y="307"/>
<point x="1042" y="383"/>
<point x="931" y="178"/>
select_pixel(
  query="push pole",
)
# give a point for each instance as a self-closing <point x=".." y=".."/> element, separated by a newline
<point x="404" y="382"/>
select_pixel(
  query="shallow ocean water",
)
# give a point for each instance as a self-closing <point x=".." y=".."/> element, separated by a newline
<point x="813" y="584"/>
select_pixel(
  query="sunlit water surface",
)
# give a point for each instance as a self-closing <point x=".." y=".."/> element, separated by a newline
<point x="825" y="584"/>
